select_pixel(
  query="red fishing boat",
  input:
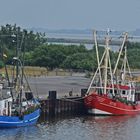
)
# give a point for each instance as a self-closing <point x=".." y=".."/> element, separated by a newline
<point x="112" y="91"/>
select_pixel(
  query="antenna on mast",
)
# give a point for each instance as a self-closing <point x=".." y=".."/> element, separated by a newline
<point x="108" y="31"/>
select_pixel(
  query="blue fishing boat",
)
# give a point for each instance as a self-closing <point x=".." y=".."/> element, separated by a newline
<point x="19" y="121"/>
<point x="18" y="106"/>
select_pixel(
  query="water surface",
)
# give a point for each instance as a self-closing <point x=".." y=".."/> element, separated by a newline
<point x="79" y="128"/>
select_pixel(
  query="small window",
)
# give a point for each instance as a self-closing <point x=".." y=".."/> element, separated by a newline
<point x="123" y="92"/>
<point x="115" y="91"/>
<point x="111" y="91"/>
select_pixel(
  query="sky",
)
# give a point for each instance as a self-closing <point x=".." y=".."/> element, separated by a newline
<point x="72" y="14"/>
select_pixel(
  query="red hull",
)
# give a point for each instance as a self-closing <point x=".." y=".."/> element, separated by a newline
<point x="101" y="104"/>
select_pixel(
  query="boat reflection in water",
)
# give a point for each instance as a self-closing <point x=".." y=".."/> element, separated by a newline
<point x="113" y="127"/>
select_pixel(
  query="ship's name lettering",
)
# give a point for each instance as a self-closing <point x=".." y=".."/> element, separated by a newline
<point x="112" y="103"/>
<point x="100" y="99"/>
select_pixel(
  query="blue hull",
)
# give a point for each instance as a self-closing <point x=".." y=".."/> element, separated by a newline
<point x="13" y="121"/>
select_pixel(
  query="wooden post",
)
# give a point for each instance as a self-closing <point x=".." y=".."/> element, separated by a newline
<point x="52" y="103"/>
<point x="83" y="92"/>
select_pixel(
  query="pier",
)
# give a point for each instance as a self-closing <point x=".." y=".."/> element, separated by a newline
<point x="60" y="107"/>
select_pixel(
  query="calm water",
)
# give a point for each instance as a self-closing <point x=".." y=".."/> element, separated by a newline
<point x="77" y="36"/>
<point x="79" y="128"/>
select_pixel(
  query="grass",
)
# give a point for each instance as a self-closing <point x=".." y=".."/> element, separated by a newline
<point x="42" y="71"/>
<point x="37" y="71"/>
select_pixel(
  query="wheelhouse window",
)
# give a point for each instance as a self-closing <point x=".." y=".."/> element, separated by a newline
<point x="123" y="92"/>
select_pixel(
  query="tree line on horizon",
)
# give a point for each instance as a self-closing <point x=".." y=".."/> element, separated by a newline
<point x="34" y="49"/>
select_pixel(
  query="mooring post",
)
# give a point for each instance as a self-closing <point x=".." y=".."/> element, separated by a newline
<point x="83" y="92"/>
<point x="52" y="103"/>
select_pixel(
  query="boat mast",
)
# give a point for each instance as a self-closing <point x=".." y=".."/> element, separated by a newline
<point x="17" y="55"/>
<point x="90" y="86"/>
<point x="19" y="71"/>
<point x="106" y="60"/>
<point x="99" y="64"/>
<point x="107" y="64"/>
<point x="121" y="49"/>
<point x="124" y="68"/>
<point x="97" y="54"/>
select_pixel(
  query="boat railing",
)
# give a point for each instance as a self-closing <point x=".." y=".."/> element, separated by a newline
<point x="101" y="87"/>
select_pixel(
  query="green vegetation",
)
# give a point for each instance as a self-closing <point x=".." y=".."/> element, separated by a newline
<point x="37" y="52"/>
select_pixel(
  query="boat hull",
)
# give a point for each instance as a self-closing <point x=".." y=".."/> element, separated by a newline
<point x="15" y="121"/>
<point x="103" y="105"/>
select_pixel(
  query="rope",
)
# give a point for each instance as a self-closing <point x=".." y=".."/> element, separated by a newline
<point x="72" y="100"/>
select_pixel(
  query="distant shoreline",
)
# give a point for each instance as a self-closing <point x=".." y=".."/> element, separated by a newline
<point x="81" y="41"/>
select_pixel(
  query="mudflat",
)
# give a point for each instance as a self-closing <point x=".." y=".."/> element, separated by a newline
<point x="62" y="84"/>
